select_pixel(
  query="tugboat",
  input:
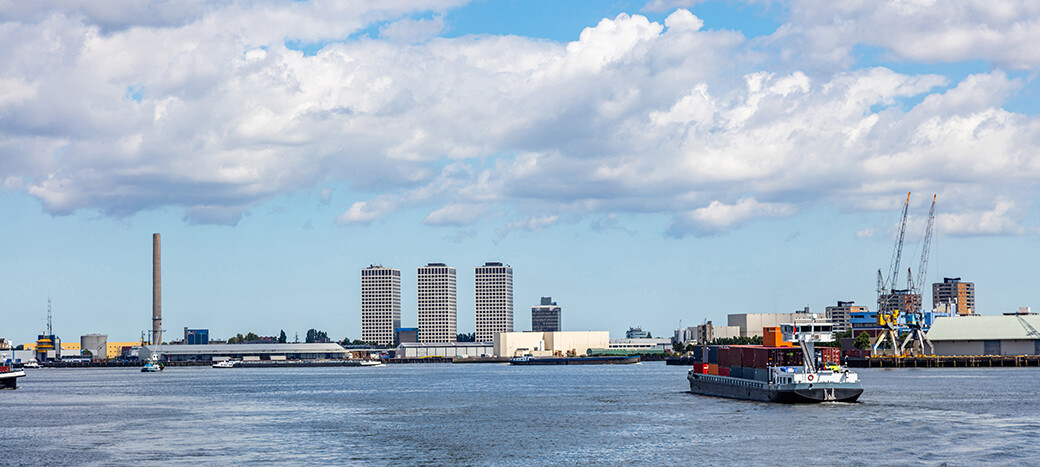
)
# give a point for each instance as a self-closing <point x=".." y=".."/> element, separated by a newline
<point x="226" y="364"/>
<point x="769" y="379"/>
<point x="152" y="366"/>
<point x="9" y="377"/>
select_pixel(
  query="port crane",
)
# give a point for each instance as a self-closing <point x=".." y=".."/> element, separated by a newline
<point x="887" y="318"/>
<point x="915" y="317"/>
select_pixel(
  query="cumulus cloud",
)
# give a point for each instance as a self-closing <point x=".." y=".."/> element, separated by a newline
<point x="212" y="113"/>
<point x="719" y="217"/>
<point x="1002" y="32"/>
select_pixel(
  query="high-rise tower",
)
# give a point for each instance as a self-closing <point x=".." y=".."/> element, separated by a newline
<point x="494" y="300"/>
<point x="437" y="303"/>
<point x="380" y="304"/>
<point x="952" y="291"/>
<point x="156" y="290"/>
<point x="545" y="317"/>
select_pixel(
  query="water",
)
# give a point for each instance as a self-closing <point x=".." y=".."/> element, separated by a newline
<point x="477" y="414"/>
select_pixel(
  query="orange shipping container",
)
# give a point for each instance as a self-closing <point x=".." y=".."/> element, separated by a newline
<point x="772" y="337"/>
<point x="713" y="369"/>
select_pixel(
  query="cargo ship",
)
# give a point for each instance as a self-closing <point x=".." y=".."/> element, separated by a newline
<point x="615" y="360"/>
<point x="9" y="377"/>
<point x="777" y="371"/>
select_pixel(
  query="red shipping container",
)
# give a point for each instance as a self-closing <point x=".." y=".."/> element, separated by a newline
<point x="723" y="371"/>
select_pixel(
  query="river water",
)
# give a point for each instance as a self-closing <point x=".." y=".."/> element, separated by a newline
<point x="479" y="414"/>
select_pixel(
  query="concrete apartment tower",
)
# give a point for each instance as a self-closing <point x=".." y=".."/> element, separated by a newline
<point x="840" y="316"/>
<point x="952" y="291"/>
<point x="437" y="303"/>
<point x="545" y="317"/>
<point x="493" y="291"/>
<point x="156" y="290"/>
<point x="380" y="304"/>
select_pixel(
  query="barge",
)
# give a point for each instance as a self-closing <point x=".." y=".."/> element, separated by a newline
<point x="771" y="375"/>
<point x="612" y="360"/>
<point x="9" y="377"/>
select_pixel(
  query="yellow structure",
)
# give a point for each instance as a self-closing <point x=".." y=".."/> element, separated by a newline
<point x="543" y="344"/>
<point x="114" y="349"/>
<point x="70" y="346"/>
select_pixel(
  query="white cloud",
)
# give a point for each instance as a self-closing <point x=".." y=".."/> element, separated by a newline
<point x="529" y="223"/>
<point x="214" y="114"/>
<point x="409" y="31"/>
<point x="665" y="5"/>
<point x="1003" y="32"/>
<point x="719" y="217"/>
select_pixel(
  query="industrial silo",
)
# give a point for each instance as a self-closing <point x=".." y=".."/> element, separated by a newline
<point x="97" y="344"/>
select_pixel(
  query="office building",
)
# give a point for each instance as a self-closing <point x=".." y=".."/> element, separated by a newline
<point x="493" y="292"/>
<point x="840" y="316"/>
<point x="437" y="303"/>
<point x="637" y="333"/>
<point x="196" y="336"/>
<point x="951" y="291"/>
<point x="545" y="317"/>
<point x="751" y="324"/>
<point x="380" y="304"/>
<point x="706" y="333"/>
<point x="901" y="300"/>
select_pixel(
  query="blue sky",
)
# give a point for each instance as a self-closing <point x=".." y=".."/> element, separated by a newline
<point x="644" y="163"/>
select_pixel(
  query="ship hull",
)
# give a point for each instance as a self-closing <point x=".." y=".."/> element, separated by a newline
<point x="9" y="380"/>
<point x="739" y="388"/>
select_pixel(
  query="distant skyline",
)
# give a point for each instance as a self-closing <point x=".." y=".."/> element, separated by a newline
<point x="645" y="163"/>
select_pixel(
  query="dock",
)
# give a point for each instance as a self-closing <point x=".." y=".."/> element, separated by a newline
<point x="945" y="361"/>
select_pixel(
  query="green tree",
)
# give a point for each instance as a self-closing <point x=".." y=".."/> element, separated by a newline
<point x="863" y="341"/>
<point x="87" y="353"/>
<point x="649" y="336"/>
<point x="251" y="336"/>
<point x="314" y="335"/>
<point x="281" y="337"/>
<point x="471" y="337"/>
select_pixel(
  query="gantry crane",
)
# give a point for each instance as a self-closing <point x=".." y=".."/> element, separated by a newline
<point x="886" y="318"/>
<point x="915" y="317"/>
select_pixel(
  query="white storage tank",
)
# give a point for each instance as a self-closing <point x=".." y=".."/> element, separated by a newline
<point x="97" y="344"/>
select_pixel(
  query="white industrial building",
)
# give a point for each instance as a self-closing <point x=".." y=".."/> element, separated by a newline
<point x="751" y="324"/>
<point x="986" y="335"/>
<point x="380" y="304"/>
<point x="437" y="303"/>
<point x="215" y="352"/>
<point x="640" y="344"/>
<point x="543" y="344"/>
<point x="449" y="349"/>
<point x="493" y="295"/>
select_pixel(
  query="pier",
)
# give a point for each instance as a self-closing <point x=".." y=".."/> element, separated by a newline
<point x="945" y="361"/>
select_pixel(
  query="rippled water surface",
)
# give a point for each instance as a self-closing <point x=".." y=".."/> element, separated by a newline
<point x="501" y="414"/>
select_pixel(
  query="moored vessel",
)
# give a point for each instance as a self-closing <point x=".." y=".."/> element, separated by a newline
<point x="772" y="373"/>
<point x="612" y="360"/>
<point x="9" y="377"/>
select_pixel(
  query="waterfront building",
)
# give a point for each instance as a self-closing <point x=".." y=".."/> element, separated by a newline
<point x="951" y="291"/>
<point x="751" y="324"/>
<point x="864" y="320"/>
<point x="217" y="352"/>
<point x="986" y="335"/>
<point x="196" y="336"/>
<point x="637" y="333"/>
<point x="444" y="349"/>
<point x="542" y="344"/>
<point x="637" y="344"/>
<point x="684" y="335"/>
<point x="406" y="335"/>
<point x="437" y="303"/>
<point x="493" y="293"/>
<point x="380" y="304"/>
<point x="546" y="317"/>
<point x="705" y="333"/>
<point x="840" y="316"/>
<point x="901" y="300"/>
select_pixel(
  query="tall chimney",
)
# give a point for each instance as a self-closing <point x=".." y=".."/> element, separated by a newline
<point x="156" y="291"/>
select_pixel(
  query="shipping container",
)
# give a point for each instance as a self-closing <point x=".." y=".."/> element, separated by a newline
<point x="713" y="369"/>
<point x="713" y="354"/>
<point x="723" y="371"/>
<point x="736" y="371"/>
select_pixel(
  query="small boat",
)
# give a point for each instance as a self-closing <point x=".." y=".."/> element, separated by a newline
<point x="31" y="364"/>
<point x="371" y="363"/>
<point x="226" y="364"/>
<point x="152" y="367"/>
<point x="9" y="377"/>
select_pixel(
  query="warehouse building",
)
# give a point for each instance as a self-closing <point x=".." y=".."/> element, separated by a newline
<point x="447" y="349"/>
<point x="216" y="352"/>
<point x="542" y="344"/>
<point x="986" y="335"/>
<point x="751" y="324"/>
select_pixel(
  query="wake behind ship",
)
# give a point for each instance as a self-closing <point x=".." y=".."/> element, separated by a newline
<point x="772" y="373"/>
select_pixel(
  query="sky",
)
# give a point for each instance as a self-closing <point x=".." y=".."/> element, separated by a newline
<point x="646" y="163"/>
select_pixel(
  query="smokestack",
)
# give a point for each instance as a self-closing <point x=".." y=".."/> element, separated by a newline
<point x="156" y="290"/>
